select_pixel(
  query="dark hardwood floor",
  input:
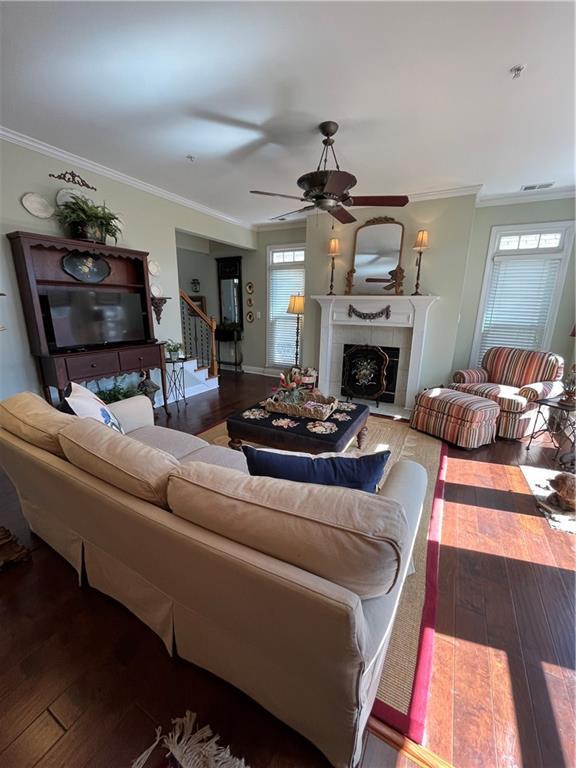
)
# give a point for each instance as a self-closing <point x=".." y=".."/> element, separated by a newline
<point x="83" y="683"/>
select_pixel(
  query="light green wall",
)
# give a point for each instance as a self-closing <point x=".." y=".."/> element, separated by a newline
<point x="200" y="265"/>
<point x="150" y="224"/>
<point x="484" y="220"/>
<point x="449" y="222"/>
<point x="192" y="242"/>
<point x="254" y="270"/>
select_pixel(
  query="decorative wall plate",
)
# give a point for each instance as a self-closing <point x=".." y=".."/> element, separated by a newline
<point x="249" y="317"/>
<point x="153" y="268"/>
<point x="86" y="268"/>
<point x="37" y="205"/>
<point x="249" y="287"/>
<point x="156" y="290"/>
<point x="250" y="301"/>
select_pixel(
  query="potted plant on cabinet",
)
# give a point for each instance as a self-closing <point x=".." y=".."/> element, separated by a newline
<point x="85" y="220"/>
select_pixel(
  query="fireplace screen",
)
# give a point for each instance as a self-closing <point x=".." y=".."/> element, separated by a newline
<point x="370" y="372"/>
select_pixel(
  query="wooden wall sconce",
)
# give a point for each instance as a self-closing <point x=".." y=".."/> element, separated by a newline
<point x="158" y="303"/>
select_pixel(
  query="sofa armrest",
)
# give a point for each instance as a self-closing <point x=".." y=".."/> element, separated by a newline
<point x="470" y="376"/>
<point x="134" y="412"/>
<point x="406" y="483"/>
<point x="541" y="389"/>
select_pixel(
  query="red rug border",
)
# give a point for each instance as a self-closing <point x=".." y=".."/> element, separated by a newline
<point x="413" y="723"/>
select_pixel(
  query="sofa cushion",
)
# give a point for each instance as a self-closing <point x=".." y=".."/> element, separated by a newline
<point x="84" y="403"/>
<point x="117" y="459"/>
<point x="360" y="472"/>
<point x="177" y="444"/>
<point x="507" y="397"/>
<point x="349" y="537"/>
<point x="32" y="419"/>
<point x="219" y="456"/>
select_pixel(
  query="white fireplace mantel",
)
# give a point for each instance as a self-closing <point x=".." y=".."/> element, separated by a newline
<point x="405" y="312"/>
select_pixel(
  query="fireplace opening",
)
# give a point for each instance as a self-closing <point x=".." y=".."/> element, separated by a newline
<point x="370" y="372"/>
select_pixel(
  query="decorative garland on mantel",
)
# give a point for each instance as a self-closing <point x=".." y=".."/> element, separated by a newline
<point x="384" y="312"/>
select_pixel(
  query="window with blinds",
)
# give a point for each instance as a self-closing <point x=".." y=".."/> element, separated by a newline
<point x="285" y="278"/>
<point x="522" y="287"/>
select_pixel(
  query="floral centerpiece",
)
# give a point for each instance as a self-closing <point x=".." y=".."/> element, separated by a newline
<point x="296" y="396"/>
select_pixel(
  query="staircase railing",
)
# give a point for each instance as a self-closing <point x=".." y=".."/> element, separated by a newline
<point x="198" y="334"/>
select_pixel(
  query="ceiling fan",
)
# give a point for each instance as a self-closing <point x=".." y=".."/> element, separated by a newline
<point x="330" y="190"/>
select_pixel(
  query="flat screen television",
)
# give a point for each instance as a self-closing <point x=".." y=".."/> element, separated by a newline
<point x="81" y="318"/>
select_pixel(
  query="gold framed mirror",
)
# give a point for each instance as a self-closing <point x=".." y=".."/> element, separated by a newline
<point x="377" y="259"/>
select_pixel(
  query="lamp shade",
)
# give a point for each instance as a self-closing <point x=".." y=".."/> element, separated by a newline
<point x="334" y="247"/>
<point x="421" y="242"/>
<point x="296" y="305"/>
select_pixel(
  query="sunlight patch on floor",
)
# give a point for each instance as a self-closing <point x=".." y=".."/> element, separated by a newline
<point x="483" y="474"/>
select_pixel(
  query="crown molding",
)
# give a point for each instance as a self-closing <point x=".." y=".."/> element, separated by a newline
<point x="89" y="165"/>
<point x="437" y="194"/>
<point x="539" y="196"/>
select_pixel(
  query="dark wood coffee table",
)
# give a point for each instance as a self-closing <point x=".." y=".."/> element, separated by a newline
<point x="289" y="433"/>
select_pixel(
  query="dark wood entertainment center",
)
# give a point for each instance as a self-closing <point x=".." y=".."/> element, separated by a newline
<point x="38" y="260"/>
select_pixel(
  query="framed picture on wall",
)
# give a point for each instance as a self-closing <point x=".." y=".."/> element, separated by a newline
<point x="200" y="301"/>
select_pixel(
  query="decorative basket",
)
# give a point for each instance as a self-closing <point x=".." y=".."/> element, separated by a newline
<point x="314" y="405"/>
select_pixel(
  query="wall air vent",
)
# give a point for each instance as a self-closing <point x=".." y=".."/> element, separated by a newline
<point x="534" y="187"/>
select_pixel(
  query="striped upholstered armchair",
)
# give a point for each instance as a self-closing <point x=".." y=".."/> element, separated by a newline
<point x="515" y="379"/>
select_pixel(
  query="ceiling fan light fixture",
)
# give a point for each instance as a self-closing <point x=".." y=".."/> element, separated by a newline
<point x="329" y="190"/>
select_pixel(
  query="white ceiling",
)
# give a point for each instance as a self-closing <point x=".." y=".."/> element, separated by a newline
<point x="421" y="91"/>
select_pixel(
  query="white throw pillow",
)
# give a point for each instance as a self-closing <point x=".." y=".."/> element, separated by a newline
<point x="86" y="404"/>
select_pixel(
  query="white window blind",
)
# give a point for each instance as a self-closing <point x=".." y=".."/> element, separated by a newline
<point x="523" y="283"/>
<point x="518" y="302"/>
<point x="285" y="278"/>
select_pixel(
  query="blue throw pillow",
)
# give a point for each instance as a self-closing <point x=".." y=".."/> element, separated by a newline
<point x="360" y="472"/>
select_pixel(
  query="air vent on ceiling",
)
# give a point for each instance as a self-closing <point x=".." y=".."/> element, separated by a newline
<point x="534" y="187"/>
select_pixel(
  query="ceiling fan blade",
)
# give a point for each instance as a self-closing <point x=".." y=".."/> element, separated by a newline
<point x="245" y="151"/>
<point x="343" y="216"/>
<point x="338" y="182"/>
<point x="275" y="194"/>
<point x="290" y="213"/>
<point x="391" y="200"/>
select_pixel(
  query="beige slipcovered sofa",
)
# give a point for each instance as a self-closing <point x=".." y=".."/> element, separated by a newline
<point x="286" y="590"/>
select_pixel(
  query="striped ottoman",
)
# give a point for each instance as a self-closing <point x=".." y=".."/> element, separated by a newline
<point x="457" y="417"/>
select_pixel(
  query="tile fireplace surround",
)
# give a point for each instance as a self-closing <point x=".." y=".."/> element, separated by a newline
<point x="404" y="328"/>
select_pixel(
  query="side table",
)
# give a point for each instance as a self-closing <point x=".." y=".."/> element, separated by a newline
<point x="558" y="421"/>
<point x="175" y="380"/>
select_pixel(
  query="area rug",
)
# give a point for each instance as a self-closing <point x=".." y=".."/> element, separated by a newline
<point x="403" y="690"/>
<point x="188" y="746"/>
<point x="538" y="479"/>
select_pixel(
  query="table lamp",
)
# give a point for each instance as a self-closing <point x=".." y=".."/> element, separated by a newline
<point x="296" y="307"/>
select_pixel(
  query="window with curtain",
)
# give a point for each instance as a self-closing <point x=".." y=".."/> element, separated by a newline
<point x="285" y="278"/>
<point x="523" y="282"/>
